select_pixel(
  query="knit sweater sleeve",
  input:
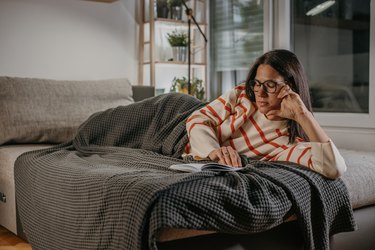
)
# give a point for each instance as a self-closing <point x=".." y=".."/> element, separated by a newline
<point x="323" y="158"/>
<point x="203" y="126"/>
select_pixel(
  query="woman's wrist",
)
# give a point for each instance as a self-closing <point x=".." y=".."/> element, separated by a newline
<point x="303" y="116"/>
<point x="313" y="130"/>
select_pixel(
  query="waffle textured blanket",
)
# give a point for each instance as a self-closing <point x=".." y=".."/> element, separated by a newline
<point x="110" y="188"/>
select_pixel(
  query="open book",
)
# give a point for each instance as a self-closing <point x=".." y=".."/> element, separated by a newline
<point x="197" y="167"/>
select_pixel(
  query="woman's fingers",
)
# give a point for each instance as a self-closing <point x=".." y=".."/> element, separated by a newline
<point x="217" y="155"/>
<point x="285" y="91"/>
<point x="235" y="157"/>
<point x="226" y="155"/>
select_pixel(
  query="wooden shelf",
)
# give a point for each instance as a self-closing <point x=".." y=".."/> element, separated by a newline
<point x="171" y="63"/>
<point x="102" y="1"/>
<point x="175" y="22"/>
<point x="155" y="49"/>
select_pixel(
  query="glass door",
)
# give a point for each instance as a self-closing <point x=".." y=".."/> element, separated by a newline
<point x="334" y="41"/>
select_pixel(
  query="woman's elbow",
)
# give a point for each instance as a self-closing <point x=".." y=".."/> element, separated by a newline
<point x="335" y="171"/>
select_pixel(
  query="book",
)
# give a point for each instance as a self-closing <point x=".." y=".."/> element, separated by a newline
<point x="197" y="167"/>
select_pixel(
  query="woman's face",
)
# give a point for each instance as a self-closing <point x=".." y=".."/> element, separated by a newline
<point x="267" y="101"/>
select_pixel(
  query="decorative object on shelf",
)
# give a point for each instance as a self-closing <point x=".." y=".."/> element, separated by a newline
<point x="179" y="41"/>
<point x="196" y="87"/>
<point x="175" y="6"/>
<point x="162" y="8"/>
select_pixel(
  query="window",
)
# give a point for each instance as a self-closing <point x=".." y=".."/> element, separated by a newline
<point x="336" y="46"/>
<point x="333" y="41"/>
<point x="236" y="34"/>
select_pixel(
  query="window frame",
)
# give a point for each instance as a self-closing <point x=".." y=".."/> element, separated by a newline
<point x="282" y="35"/>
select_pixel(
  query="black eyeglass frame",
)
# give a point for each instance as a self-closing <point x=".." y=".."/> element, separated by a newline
<point x="265" y="86"/>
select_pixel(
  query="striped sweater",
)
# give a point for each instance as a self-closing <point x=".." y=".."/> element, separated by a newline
<point x="233" y="120"/>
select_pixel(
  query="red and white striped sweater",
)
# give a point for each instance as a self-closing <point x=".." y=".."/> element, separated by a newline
<point x="233" y="120"/>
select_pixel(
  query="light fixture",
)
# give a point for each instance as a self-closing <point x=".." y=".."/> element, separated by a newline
<point x="189" y="14"/>
<point x="320" y="8"/>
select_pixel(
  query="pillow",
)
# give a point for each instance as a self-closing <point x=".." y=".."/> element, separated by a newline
<point x="50" y="111"/>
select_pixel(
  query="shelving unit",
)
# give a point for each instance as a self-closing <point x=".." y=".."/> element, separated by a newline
<point x="157" y="67"/>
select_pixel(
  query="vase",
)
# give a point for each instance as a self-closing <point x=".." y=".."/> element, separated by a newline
<point x="176" y="13"/>
<point x="162" y="12"/>
<point x="179" y="53"/>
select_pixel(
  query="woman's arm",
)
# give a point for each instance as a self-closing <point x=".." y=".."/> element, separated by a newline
<point x="325" y="157"/>
<point x="293" y="108"/>
<point x="204" y="129"/>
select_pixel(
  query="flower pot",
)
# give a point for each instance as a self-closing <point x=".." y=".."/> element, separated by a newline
<point x="162" y="12"/>
<point x="179" y="53"/>
<point x="183" y="90"/>
<point x="176" y="12"/>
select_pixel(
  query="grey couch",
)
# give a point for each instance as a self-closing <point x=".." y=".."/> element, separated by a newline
<point x="50" y="125"/>
<point x="360" y="180"/>
<point x="39" y="113"/>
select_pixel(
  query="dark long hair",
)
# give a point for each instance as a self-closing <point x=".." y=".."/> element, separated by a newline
<point x="288" y="66"/>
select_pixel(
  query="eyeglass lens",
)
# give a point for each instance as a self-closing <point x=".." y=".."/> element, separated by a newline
<point x="268" y="86"/>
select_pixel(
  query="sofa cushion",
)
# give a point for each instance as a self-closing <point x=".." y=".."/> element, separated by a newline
<point x="360" y="177"/>
<point x="50" y="111"/>
<point x="8" y="156"/>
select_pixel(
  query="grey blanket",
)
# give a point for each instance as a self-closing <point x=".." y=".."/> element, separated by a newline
<point x="111" y="188"/>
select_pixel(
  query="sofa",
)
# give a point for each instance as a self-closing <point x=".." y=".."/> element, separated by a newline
<point x="51" y="120"/>
<point x="360" y="181"/>
<point x="49" y="108"/>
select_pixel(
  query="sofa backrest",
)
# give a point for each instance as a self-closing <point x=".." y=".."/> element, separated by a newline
<point x="49" y="111"/>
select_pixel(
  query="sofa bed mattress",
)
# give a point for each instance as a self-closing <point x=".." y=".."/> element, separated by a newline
<point x="8" y="155"/>
<point x="359" y="179"/>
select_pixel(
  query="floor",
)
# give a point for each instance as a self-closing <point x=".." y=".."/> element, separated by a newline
<point x="9" y="241"/>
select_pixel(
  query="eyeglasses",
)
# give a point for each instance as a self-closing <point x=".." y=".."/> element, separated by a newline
<point x="268" y="86"/>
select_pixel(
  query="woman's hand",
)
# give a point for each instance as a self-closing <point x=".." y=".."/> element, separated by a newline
<point x="291" y="107"/>
<point x="227" y="156"/>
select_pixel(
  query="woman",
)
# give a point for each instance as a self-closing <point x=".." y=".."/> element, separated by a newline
<point x="268" y="117"/>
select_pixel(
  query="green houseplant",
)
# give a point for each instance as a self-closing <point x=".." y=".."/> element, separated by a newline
<point x="178" y="40"/>
<point x="181" y="85"/>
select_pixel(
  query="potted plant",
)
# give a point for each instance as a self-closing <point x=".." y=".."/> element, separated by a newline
<point x="178" y="40"/>
<point x="162" y="8"/>
<point x="175" y="7"/>
<point x="181" y="85"/>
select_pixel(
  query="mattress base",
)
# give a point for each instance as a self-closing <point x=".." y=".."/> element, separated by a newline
<point x="8" y="156"/>
<point x="286" y="236"/>
<point x="10" y="220"/>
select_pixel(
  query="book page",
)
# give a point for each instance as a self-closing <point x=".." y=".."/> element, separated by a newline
<point x="197" y="167"/>
<point x="188" y="167"/>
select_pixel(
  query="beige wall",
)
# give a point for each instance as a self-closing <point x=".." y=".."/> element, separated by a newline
<point x="68" y="39"/>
